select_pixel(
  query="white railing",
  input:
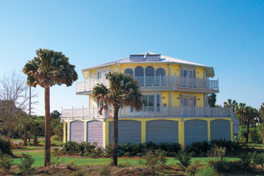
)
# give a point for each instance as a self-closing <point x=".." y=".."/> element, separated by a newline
<point x="157" y="81"/>
<point x="89" y="84"/>
<point x="87" y="113"/>
<point x="83" y="113"/>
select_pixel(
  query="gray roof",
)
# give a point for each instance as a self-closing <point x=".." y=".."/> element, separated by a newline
<point x="163" y="59"/>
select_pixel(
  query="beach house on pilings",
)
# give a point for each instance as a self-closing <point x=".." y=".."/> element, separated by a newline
<point x="175" y="104"/>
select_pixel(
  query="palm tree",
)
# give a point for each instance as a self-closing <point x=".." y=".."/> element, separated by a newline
<point x="231" y="103"/>
<point x="47" y="69"/>
<point x="123" y="91"/>
<point x="240" y="112"/>
<point x="250" y="114"/>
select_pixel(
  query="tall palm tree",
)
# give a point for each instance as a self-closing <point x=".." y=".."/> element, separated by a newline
<point x="47" y="69"/>
<point x="123" y="91"/>
<point x="250" y="114"/>
<point x="240" y="112"/>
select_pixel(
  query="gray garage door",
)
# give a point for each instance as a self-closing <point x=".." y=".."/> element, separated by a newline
<point x="162" y="131"/>
<point x="129" y="131"/>
<point x="220" y="129"/>
<point x="95" y="132"/>
<point x="194" y="131"/>
<point x="77" y="131"/>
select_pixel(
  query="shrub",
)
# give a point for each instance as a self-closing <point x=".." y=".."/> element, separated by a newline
<point x="192" y="169"/>
<point x="254" y="136"/>
<point x="55" y="138"/>
<point x="219" y="152"/>
<point x="222" y="167"/>
<point x="6" y="161"/>
<point x="245" y="159"/>
<point x="5" y="146"/>
<point x="198" y="148"/>
<point x="152" y="161"/>
<point x="106" y="171"/>
<point x="185" y="159"/>
<point x="207" y="171"/>
<point x="26" y="164"/>
<point x="258" y="159"/>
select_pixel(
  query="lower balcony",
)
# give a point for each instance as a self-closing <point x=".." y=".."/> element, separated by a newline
<point x="149" y="112"/>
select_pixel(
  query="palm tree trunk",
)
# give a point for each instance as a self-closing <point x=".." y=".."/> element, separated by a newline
<point x="35" y="140"/>
<point x="247" y="134"/>
<point x="115" y="136"/>
<point x="47" y="126"/>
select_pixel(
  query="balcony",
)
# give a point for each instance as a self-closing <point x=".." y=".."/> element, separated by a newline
<point x="159" y="82"/>
<point x="149" y="112"/>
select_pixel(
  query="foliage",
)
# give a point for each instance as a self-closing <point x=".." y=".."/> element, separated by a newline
<point x="155" y="160"/>
<point x="106" y="171"/>
<point x="258" y="159"/>
<point x="193" y="168"/>
<point x="261" y="131"/>
<point x="254" y="136"/>
<point x="212" y="99"/>
<point x="83" y="149"/>
<point x="6" y="161"/>
<point x="140" y="149"/>
<point x="207" y="171"/>
<point x="204" y="148"/>
<point x="245" y="159"/>
<point x="185" y="159"/>
<point x="26" y="164"/>
<point x="219" y="151"/>
<point x="5" y="146"/>
<point x="198" y="148"/>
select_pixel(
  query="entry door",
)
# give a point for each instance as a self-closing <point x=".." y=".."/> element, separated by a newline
<point x="187" y="77"/>
<point x="188" y="106"/>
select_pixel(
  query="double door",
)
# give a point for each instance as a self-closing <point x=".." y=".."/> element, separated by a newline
<point x="188" y="105"/>
<point x="188" y="77"/>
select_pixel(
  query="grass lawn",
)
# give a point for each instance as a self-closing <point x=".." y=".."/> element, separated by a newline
<point x="39" y="159"/>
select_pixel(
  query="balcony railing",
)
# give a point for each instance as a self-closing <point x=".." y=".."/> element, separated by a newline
<point x="92" y="113"/>
<point x="157" y="81"/>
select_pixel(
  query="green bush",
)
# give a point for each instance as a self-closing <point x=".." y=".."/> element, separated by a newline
<point x="5" y="146"/>
<point x="155" y="160"/>
<point x="185" y="159"/>
<point x="207" y="171"/>
<point x="26" y="164"/>
<point x="6" y="162"/>
<point x="245" y="160"/>
<point x="193" y="168"/>
<point x="258" y="159"/>
<point x="198" y="149"/>
<point x="76" y="148"/>
<point x="201" y="149"/>
<point x="140" y="149"/>
<point x="254" y="136"/>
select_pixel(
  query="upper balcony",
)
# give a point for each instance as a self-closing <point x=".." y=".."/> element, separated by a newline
<point x="150" y="83"/>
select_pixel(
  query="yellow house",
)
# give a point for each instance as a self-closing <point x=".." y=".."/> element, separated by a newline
<point x="175" y="104"/>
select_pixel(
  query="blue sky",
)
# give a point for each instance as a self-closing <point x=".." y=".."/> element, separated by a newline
<point x="228" y="35"/>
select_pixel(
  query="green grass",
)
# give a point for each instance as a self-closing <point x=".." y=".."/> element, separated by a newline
<point x="39" y="159"/>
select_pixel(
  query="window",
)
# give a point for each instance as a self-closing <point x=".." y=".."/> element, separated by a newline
<point x="101" y="75"/>
<point x="129" y="71"/>
<point x="149" y="76"/>
<point x="160" y="72"/>
<point x="160" y="77"/>
<point x="148" y="102"/>
<point x="139" y="75"/>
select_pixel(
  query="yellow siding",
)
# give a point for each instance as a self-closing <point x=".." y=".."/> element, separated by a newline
<point x="175" y="70"/>
<point x="199" y="72"/>
<point x="165" y="98"/>
<point x="175" y="99"/>
<point x="115" y="68"/>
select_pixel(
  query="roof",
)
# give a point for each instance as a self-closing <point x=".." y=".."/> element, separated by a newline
<point x="163" y="59"/>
